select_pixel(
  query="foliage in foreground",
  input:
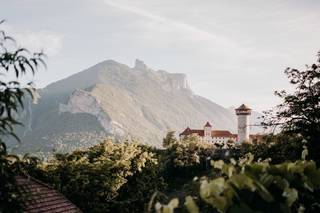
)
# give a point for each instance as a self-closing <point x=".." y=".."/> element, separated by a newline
<point x="247" y="186"/>
<point x="122" y="177"/>
<point x="96" y="179"/>
<point x="10" y="196"/>
<point x="18" y="62"/>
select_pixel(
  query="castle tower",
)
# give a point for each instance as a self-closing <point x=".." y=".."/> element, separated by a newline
<point x="207" y="131"/>
<point x="243" y="113"/>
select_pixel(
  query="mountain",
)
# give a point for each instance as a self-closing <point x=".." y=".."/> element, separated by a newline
<point x="112" y="99"/>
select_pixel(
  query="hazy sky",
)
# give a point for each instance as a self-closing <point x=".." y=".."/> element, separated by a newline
<point x="232" y="51"/>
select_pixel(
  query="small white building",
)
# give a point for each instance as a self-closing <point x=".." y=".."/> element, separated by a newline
<point x="222" y="137"/>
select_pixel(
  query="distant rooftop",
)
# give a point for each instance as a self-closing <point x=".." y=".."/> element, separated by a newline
<point x="214" y="133"/>
<point x="207" y="124"/>
<point x="43" y="198"/>
<point x="243" y="110"/>
<point x="243" y="107"/>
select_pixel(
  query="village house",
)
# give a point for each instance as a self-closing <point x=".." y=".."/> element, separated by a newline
<point x="223" y="137"/>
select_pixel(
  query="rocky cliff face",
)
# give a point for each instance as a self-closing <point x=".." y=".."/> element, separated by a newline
<point x="84" y="102"/>
<point x="113" y="99"/>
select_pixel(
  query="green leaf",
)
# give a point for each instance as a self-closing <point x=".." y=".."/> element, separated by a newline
<point x="174" y="203"/>
<point x="242" y="181"/>
<point x="191" y="205"/>
<point x="304" y="153"/>
<point x="228" y="169"/>
<point x="217" y="164"/>
<point x="312" y="173"/>
<point x="263" y="192"/>
<point x="212" y="193"/>
<point x="291" y="194"/>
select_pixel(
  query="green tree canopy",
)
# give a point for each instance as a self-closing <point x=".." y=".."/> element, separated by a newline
<point x="299" y="111"/>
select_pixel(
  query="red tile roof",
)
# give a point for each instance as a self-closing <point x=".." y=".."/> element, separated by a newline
<point x="189" y="131"/>
<point x="42" y="198"/>
<point x="214" y="133"/>
<point x="222" y="133"/>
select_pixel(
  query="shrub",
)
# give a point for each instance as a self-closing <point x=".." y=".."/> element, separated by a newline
<point x="247" y="186"/>
<point x="186" y="158"/>
<point x="96" y="179"/>
<point x="10" y="195"/>
<point x="280" y="147"/>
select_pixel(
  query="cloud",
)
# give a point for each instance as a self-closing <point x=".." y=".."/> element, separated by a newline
<point x="181" y="31"/>
<point x="50" y="43"/>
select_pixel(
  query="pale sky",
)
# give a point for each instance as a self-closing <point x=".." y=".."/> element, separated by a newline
<point x="233" y="51"/>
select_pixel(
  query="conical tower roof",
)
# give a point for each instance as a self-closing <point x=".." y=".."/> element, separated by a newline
<point x="207" y="124"/>
<point x="243" y="107"/>
<point x="243" y="110"/>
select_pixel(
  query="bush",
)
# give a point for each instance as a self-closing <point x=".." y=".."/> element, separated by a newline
<point x="184" y="159"/>
<point x="247" y="186"/>
<point x="106" y="177"/>
<point x="280" y="147"/>
<point x="10" y="195"/>
<point x="299" y="111"/>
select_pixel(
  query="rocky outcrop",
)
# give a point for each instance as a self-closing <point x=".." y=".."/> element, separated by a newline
<point x="140" y="65"/>
<point x="83" y="102"/>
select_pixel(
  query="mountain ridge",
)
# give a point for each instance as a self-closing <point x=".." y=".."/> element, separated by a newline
<point x="113" y="99"/>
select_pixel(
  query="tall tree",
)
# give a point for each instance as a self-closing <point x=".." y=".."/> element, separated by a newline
<point x="299" y="112"/>
<point x="18" y="62"/>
